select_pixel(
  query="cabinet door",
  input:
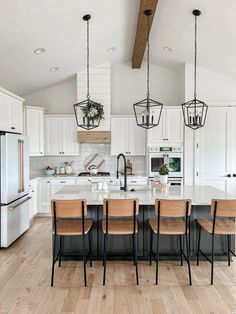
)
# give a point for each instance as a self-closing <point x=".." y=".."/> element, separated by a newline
<point x="5" y="109"/>
<point x="119" y="136"/>
<point x="55" y="189"/>
<point x="69" y="141"/>
<point x="35" y="131"/>
<point x="157" y="134"/>
<point x="136" y="138"/>
<point x="53" y="136"/>
<point x="212" y="152"/>
<point x="174" y="125"/>
<point x="44" y="196"/>
<point x="16" y="115"/>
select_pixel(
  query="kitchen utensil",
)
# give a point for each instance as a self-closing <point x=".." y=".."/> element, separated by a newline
<point x="49" y="172"/>
<point x="62" y="170"/>
<point x="68" y="167"/>
<point x="93" y="169"/>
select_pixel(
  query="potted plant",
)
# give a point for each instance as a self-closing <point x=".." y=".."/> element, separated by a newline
<point x="94" y="111"/>
<point x="163" y="172"/>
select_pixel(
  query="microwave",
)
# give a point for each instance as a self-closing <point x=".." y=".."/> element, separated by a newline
<point x="170" y="155"/>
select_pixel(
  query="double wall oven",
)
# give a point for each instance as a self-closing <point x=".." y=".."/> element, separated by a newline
<point x="170" y="155"/>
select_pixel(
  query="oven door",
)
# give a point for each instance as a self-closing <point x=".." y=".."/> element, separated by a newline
<point x="175" y="164"/>
<point x="155" y="161"/>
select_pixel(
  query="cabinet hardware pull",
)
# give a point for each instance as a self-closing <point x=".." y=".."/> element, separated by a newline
<point x="13" y="128"/>
<point x="234" y="175"/>
<point x="26" y="200"/>
<point x="62" y="181"/>
<point x="228" y="175"/>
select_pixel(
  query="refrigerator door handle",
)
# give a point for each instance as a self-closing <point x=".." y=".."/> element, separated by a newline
<point x="21" y="166"/>
<point x="26" y="200"/>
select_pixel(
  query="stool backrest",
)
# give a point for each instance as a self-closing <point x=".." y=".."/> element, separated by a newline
<point x="69" y="208"/>
<point x="120" y="208"/>
<point x="223" y="207"/>
<point x="173" y="208"/>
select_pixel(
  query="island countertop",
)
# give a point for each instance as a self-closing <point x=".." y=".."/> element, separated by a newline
<point x="199" y="194"/>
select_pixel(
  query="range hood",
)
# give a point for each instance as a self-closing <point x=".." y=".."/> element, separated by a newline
<point x="94" y="137"/>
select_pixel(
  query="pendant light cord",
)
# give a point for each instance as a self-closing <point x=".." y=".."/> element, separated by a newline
<point x="88" y="94"/>
<point x="148" y="53"/>
<point x="195" y="60"/>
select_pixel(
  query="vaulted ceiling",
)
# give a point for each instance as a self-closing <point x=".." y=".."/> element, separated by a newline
<point x="57" y="26"/>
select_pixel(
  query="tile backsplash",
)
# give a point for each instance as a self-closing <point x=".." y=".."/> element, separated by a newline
<point x="37" y="164"/>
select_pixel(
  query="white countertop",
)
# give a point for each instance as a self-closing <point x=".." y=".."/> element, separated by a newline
<point x="200" y="195"/>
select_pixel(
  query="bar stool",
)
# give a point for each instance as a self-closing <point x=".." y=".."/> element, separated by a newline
<point x="115" y="210"/>
<point x="222" y="224"/>
<point x="69" y="220"/>
<point x="172" y="218"/>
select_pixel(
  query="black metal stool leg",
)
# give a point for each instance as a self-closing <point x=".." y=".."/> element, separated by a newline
<point x="90" y="246"/>
<point x="84" y="260"/>
<point x="199" y="240"/>
<point x="151" y="243"/>
<point x="60" y="251"/>
<point x="188" y="260"/>
<point x="212" y="257"/>
<point x="133" y="239"/>
<point x="229" y="247"/>
<point x="136" y="257"/>
<point x="181" y="248"/>
<point x="105" y="259"/>
<point x="157" y="259"/>
<point x="53" y="259"/>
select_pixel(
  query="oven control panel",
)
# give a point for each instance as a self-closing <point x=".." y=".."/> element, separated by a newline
<point x="165" y="149"/>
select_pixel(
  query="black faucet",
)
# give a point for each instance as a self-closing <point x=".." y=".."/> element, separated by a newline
<point x="124" y="188"/>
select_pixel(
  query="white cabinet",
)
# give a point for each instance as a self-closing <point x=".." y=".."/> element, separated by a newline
<point x="127" y="137"/>
<point x="35" y="130"/>
<point x="170" y="129"/>
<point x="61" y="136"/>
<point x="11" y="118"/>
<point x="33" y="193"/>
<point x="213" y="151"/>
<point x="44" y="196"/>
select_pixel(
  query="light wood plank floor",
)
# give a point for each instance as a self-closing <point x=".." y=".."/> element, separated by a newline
<point x="25" y="283"/>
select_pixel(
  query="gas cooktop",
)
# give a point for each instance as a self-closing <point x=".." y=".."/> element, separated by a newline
<point x="99" y="174"/>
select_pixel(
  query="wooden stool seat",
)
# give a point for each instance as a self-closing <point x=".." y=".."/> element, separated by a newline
<point x="73" y="227"/>
<point x="222" y="226"/>
<point x="120" y="226"/>
<point x="168" y="226"/>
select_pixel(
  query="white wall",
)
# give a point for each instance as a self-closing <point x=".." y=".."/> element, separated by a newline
<point x="129" y="86"/>
<point x="56" y="99"/>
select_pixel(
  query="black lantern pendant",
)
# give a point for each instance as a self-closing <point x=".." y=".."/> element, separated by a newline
<point x="86" y="111"/>
<point x="148" y="111"/>
<point x="195" y="111"/>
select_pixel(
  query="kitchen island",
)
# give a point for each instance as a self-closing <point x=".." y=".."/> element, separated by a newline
<point x="201" y="199"/>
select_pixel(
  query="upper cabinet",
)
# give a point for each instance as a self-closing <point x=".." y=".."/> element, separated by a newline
<point x="61" y="136"/>
<point x="11" y="108"/>
<point x="170" y="129"/>
<point x="34" y="128"/>
<point x="127" y="137"/>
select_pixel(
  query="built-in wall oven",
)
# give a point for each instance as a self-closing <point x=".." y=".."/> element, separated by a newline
<point x="170" y="155"/>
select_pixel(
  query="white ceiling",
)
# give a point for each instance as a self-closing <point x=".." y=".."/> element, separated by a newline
<point x="57" y="26"/>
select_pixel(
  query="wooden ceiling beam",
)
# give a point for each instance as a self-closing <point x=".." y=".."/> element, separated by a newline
<point x="142" y="31"/>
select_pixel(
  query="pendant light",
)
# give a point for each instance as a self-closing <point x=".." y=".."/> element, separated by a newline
<point x="148" y="111"/>
<point x="195" y="111"/>
<point x="84" y="110"/>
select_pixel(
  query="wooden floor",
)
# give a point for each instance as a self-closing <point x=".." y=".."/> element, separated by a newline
<point x="25" y="283"/>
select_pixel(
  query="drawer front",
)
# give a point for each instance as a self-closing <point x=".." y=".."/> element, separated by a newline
<point x="63" y="182"/>
<point x="15" y="220"/>
<point x="83" y="181"/>
<point x="137" y="181"/>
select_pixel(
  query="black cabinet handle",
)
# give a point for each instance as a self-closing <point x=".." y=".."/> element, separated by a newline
<point x="228" y="175"/>
<point x="13" y="128"/>
<point x="234" y="175"/>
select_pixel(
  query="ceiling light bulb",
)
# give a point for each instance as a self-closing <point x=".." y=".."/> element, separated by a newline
<point x="111" y="49"/>
<point x="54" y="69"/>
<point x="39" y="51"/>
<point x="167" y="49"/>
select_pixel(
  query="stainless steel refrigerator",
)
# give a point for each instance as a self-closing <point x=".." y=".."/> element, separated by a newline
<point x="14" y="185"/>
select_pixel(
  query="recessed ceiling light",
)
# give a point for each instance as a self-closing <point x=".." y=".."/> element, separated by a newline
<point x="167" y="49"/>
<point x="111" y="49"/>
<point x="39" y="51"/>
<point x="54" y="69"/>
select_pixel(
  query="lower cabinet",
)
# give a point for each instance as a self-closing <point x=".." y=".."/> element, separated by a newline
<point x="33" y="193"/>
<point x="44" y="196"/>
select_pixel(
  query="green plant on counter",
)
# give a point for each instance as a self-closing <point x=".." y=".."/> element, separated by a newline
<point x="93" y="111"/>
<point x="164" y="170"/>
